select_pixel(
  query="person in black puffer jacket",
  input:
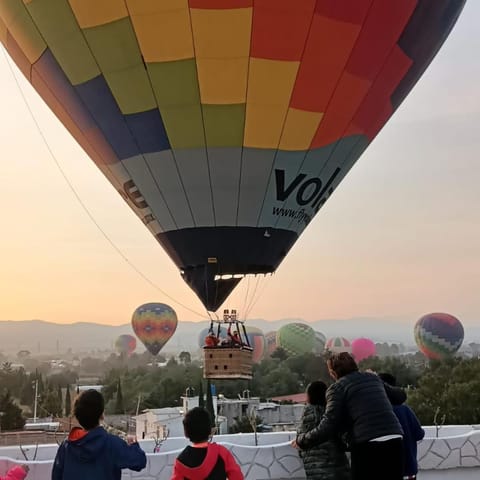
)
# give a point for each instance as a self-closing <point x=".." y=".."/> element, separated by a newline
<point x="325" y="461"/>
<point x="358" y="404"/>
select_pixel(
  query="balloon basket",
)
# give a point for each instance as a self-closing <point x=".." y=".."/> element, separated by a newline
<point x="227" y="363"/>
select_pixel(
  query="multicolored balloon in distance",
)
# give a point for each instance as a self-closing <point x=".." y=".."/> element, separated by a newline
<point x="154" y="324"/>
<point x="338" y="345"/>
<point x="363" y="348"/>
<point x="438" y="335"/>
<point x="296" y="338"/>
<point x="256" y="338"/>
<point x="271" y="342"/>
<point x="125" y="344"/>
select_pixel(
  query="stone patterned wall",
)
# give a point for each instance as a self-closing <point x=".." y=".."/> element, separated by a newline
<point x="448" y="458"/>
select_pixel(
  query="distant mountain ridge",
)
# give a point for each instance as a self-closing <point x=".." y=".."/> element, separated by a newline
<point x="45" y="337"/>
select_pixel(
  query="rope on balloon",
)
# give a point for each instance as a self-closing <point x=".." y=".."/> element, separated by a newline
<point x="82" y="204"/>
<point x="260" y="294"/>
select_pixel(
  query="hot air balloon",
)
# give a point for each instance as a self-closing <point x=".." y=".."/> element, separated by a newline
<point x="271" y="341"/>
<point x="125" y="344"/>
<point x="256" y="338"/>
<point x="154" y="324"/>
<point x="363" y="348"/>
<point x="296" y="338"/>
<point x="338" y="345"/>
<point x="320" y="340"/>
<point x="438" y="335"/>
<point x="225" y="126"/>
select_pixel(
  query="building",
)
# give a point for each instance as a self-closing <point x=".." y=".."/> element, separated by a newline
<point x="159" y="423"/>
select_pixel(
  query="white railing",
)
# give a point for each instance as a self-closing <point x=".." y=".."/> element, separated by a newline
<point x="454" y="455"/>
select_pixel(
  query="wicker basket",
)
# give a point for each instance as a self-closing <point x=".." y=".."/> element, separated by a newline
<point x="227" y="362"/>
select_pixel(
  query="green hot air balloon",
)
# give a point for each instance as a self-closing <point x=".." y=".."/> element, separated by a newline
<point x="296" y="338"/>
<point x="225" y="125"/>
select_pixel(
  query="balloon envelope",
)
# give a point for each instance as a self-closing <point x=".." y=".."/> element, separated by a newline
<point x="256" y="339"/>
<point x="225" y="126"/>
<point x="438" y="335"/>
<point x="154" y="324"/>
<point x="363" y="348"/>
<point x="125" y="344"/>
<point x="320" y="340"/>
<point x="338" y="345"/>
<point x="296" y="338"/>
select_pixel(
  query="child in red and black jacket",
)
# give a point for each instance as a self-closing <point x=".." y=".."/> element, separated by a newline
<point x="203" y="460"/>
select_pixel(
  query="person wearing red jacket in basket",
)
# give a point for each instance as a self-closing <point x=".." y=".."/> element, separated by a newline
<point x="203" y="460"/>
<point x="16" y="473"/>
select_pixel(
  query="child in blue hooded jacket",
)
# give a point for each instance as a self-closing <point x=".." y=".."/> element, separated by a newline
<point x="92" y="453"/>
<point x="412" y="432"/>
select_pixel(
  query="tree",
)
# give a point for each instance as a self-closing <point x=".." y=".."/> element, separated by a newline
<point x="185" y="357"/>
<point x="60" y="398"/>
<point x="449" y="388"/>
<point x="201" y="398"/>
<point x="50" y="403"/>
<point x="68" y="402"/>
<point x="119" y="406"/>
<point x="209" y="406"/>
<point x="11" y="417"/>
<point x="280" y="353"/>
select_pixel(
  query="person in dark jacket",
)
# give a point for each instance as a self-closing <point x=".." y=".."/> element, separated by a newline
<point x="92" y="453"/>
<point x="412" y="432"/>
<point x="203" y="460"/>
<point x="357" y="403"/>
<point x="325" y="461"/>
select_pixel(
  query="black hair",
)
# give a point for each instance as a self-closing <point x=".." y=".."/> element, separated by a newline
<point x="388" y="378"/>
<point x="342" y="364"/>
<point x="197" y="425"/>
<point x="316" y="393"/>
<point x="88" y="409"/>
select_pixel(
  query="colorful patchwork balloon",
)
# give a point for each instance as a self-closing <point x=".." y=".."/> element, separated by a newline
<point x="338" y="345"/>
<point x="224" y="124"/>
<point x="363" y="348"/>
<point x="438" y="335"/>
<point x="125" y="344"/>
<point x="296" y="338"/>
<point x="154" y="324"/>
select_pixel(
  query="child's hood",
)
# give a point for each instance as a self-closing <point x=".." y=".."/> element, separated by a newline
<point x="16" y="473"/>
<point x="86" y="446"/>
<point x="202" y="471"/>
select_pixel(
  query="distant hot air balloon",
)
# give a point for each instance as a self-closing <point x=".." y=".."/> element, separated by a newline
<point x="320" y="340"/>
<point x="225" y="126"/>
<point x="125" y="344"/>
<point x="271" y="341"/>
<point x="363" y="348"/>
<point x="296" y="338"/>
<point x="338" y="345"/>
<point x="154" y="324"/>
<point x="256" y="339"/>
<point x="438" y="335"/>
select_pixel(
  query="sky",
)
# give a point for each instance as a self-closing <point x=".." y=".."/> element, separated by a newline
<point x="400" y="237"/>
